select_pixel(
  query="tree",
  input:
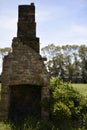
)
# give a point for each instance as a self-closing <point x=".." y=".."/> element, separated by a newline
<point x="3" y="52"/>
<point x="67" y="51"/>
<point x="83" y="58"/>
<point x="68" y="62"/>
<point x="76" y="64"/>
<point x="52" y="52"/>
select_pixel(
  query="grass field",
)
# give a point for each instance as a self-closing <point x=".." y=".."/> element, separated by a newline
<point x="82" y="88"/>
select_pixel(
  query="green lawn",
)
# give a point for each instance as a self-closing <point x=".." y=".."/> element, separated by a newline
<point x="82" y="88"/>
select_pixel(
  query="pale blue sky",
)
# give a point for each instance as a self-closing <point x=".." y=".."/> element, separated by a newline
<point x="58" y="21"/>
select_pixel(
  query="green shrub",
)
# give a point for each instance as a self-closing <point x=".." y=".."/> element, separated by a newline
<point x="4" y="126"/>
<point x="61" y="111"/>
<point x="67" y="105"/>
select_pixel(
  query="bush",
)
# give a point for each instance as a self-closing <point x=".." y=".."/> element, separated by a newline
<point x="61" y="111"/>
<point x="4" y="126"/>
<point x="68" y="106"/>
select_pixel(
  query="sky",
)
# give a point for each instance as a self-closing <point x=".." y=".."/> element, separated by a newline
<point x="59" y="22"/>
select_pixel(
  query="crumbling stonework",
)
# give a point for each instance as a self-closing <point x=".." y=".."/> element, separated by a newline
<point x="24" y="68"/>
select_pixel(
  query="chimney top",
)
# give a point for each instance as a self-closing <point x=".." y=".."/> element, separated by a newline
<point x="32" y="4"/>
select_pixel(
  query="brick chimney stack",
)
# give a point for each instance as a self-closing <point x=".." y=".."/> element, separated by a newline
<point x="27" y="26"/>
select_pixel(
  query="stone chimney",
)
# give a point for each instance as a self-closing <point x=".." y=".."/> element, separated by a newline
<point x="25" y="80"/>
<point x="27" y="26"/>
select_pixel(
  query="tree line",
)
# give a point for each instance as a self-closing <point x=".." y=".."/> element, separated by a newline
<point x="68" y="62"/>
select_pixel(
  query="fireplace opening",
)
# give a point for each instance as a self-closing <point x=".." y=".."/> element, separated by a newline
<point x="25" y="101"/>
